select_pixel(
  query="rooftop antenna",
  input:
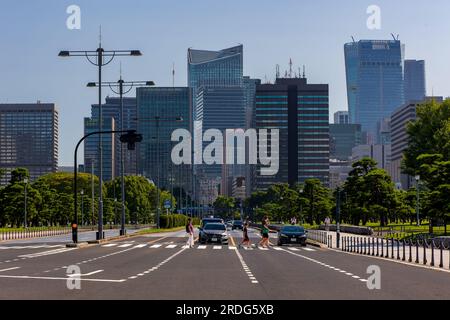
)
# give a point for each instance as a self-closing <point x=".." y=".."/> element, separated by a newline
<point x="173" y="75"/>
<point x="304" y="72"/>
<point x="120" y="70"/>
<point x="100" y="37"/>
<point x="299" y="72"/>
<point x="290" y="67"/>
<point x="393" y="36"/>
<point x="285" y="74"/>
<point x="278" y="71"/>
<point x="353" y="38"/>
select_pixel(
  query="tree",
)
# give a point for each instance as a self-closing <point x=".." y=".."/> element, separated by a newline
<point x="318" y="201"/>
<point x="369" y="193"/>
<point x="429" y="134"/>
<point x="223" y="205"/>
<point x="19" y="175"/>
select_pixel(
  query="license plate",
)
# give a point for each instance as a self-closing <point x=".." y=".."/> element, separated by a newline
<point x="293" y="239"/>
<point x="214" y="239"/>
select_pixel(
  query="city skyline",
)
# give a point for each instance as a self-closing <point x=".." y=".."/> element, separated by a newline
<point x="324" y="60"/>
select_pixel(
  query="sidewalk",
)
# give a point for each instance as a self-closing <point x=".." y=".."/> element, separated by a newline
<point x="368" y="245"/>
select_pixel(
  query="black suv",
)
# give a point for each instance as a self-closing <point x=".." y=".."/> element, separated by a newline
<point x="237" y="224"/>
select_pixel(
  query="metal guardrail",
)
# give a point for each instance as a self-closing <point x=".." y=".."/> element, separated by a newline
<point x="426" y="252"/>
<point x="50" y="232"/>
<point x="321" y="237"/>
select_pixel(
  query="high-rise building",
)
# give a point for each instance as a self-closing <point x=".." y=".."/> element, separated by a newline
<point x="221" y="109"/>
<point x="28" y="139"/>
<point x="250" y="106"/>
<point x="378" y="152"/>
<point x="301" y="113"/>
<point x="111" y="108"/>
<point x="415" y="83"/>
<point x="341" y="117"/>
<point x="212" y="69"/>
<point x="162" y="110"/>
<point x="375" y="85"/>
<point x="343" y="138"/>
<point x="399" y="121"/>
<point x="221" y="70"/>
<point x="109" y="145"/>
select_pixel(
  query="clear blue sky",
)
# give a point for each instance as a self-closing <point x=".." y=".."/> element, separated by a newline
<point x="310" y="32"/>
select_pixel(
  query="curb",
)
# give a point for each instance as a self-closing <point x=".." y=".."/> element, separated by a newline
<point x="316" y="244"/>
<point x="77" y="245"/>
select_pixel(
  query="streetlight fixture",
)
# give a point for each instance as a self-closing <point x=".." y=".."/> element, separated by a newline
<point x="100" y="54"/>
<point x="120" y="86"/>
<point x="25" y="204"/>
<point x="158" y="119"/>
<point x="417" y="177"/>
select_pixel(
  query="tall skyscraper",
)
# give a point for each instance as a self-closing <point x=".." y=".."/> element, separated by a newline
<point x="301" y="112"/>
<point x="341" y="117"/>
<point x="221" y="108"/>
<point x="222" y="71"/>
<point x="162" y="110"/>
<point x="109" y="145"/>
<point x="415" y="84"/>
<point x="375" y="85"/>
<point x="28" y="139"/>
<point x="343" y="138"/>
<point x="111" y="109"/>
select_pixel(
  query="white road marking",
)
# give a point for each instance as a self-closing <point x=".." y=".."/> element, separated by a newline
<point x="47" y="253"/>
<point x="140" y="245"/>
<point x="86" y="274"/>
<point x="294" y="249"/>
<point x="232" y="248"/>
<point x="155" y="246"/>
<point x="201" y="247"/>
<point x="15" y="268"/>
<point x="171" y="246"/>
<point x="308" y="249"/>
<point x="277" y="248"/>
<point x="263" y="249"/>
<point x="246" y="268"/>
<point x="126" y="245"/>
<point x="56" y="278"/>
<point x="217" y="247"/>
<point x="110" y="245"/>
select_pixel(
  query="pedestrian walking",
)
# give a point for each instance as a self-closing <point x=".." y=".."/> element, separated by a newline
<point x="190" y="233"/>
<point x="246" y="239"/>
<point x="265" y="233"/>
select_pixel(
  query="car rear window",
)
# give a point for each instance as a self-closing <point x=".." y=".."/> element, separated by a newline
<point x="215" y="226"/>
<point x="293" y="229"/>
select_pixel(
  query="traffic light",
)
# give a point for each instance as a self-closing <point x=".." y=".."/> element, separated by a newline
<point x="131" y="138"/>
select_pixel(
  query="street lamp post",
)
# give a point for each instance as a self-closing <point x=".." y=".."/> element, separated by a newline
<point x="338" y="217"/>
<point x="418" y="199"/>
<point x="82" y="207"/>
<point x="100" y="54"/>
<point x="25" y="203"/>
<point x="120" y="85"/>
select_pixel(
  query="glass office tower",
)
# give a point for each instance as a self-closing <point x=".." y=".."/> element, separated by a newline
<point x="375" y="85"/>
<point x="415" y="86"/>
<point x="28" y="139"/>
<point x="172" y="106"/>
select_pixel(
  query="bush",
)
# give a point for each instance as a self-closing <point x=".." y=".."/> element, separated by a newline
<point x="175" y="221"/>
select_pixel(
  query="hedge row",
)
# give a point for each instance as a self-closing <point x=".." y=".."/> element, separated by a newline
<point x="175" y="221"/>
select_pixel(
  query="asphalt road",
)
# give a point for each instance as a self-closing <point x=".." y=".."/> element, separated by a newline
<point x="159" y="267"/>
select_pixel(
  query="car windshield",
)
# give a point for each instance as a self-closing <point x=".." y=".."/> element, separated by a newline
<point x="237" y="222"/>
<point x="293" y="229"/>
<point x="206" y="221"/>
<point x="215" y="226"/>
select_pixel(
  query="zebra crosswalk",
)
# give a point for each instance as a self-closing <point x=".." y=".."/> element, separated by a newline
<point x="172" y="246"/>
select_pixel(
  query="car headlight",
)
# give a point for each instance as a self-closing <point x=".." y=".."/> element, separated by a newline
<point x="225" y="235"/>
<point x="284" y="236"/>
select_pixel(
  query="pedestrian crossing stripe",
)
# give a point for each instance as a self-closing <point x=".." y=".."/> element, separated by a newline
<point x="200" y="247"/>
